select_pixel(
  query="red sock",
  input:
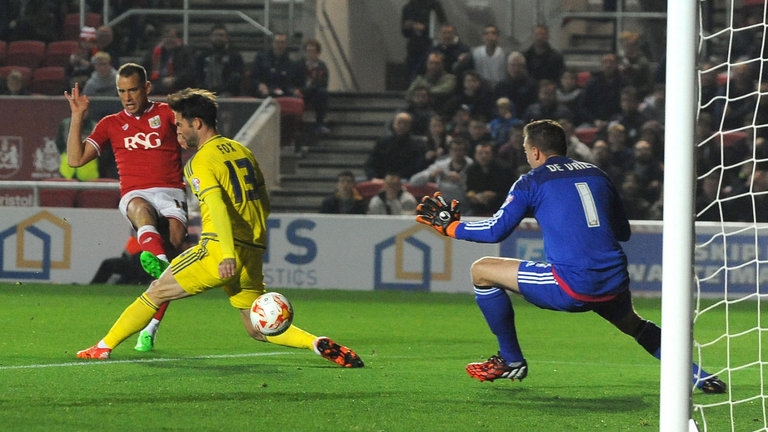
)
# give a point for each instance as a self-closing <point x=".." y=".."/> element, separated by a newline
<point x="161" y="311"/>
<point x="150" y="240"/>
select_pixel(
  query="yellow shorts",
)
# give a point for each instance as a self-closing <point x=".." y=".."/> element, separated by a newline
<point x="197" y="270"/>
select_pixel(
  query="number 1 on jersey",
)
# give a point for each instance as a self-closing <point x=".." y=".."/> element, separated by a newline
<point x="588" y="203"/>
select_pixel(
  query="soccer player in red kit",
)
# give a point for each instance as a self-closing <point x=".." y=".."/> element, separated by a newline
<point x="148" y="155"/>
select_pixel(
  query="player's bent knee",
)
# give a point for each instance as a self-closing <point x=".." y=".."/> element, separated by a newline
<point x="165" y="289"/>
<point x="479" y="271"/>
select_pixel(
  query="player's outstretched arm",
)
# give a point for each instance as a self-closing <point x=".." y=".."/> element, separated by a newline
<point x="77" y="154"/>
<point x="438" y="214"/>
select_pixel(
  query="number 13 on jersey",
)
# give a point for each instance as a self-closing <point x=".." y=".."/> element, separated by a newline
<point x="242" y="175"/>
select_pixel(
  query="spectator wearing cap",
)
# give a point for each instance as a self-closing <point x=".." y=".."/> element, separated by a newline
<point x="80" y="67"/>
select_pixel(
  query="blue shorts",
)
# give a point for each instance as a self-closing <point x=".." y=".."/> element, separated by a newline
<point x="538" y="286"/>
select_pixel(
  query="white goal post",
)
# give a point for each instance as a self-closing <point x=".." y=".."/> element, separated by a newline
<point x="679" y="187"/>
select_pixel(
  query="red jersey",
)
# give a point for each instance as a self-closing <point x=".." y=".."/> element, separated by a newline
<point x="146" y="149"/>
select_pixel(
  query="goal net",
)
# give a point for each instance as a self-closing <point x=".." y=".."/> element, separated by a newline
<point x="730" y="251"/>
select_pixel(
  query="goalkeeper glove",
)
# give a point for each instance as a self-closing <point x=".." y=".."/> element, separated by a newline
<point x="438" y="214"/>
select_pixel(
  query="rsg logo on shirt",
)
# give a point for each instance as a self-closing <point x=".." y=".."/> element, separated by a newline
<point x="147" y="141"/>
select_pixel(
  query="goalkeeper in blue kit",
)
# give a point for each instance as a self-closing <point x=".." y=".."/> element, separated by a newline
<point x="582" y="222"/>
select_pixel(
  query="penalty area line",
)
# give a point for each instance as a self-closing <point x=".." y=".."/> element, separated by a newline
<point x="95" y="362"/>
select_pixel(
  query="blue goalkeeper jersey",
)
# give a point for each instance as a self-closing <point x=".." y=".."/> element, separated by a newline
<point x="582" y="221"/>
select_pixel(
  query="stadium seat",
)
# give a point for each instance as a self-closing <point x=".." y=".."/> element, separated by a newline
<point x="582" y="78"/>
<point x="26" y="73"/>
<point x="369" y="188"/>
<point x="420" y="192"/>
<point x="27" y="53"/>
<point x="586" y="135"/>
<point x="49" y="80"/>
<point x="722" y="78"/>
<point x="58" y="197"/>
<point x="98" y="198"/>
<point x="3" y="49"/>
<point x="291" y="112"/>
<point x="58" y="53"/>
<point x="71" y="27"/>
<point x="731" y="138"/>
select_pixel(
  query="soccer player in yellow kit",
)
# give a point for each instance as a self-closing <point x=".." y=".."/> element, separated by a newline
<point x="234" y="205"/>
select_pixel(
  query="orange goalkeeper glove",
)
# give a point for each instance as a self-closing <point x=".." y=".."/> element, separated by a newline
<point x="438" y="214"/>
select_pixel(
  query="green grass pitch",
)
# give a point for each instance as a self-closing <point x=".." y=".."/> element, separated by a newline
<point x="206" y="374"/>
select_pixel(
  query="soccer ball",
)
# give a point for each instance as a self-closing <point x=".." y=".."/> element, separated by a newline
<point x="271" y="314"/>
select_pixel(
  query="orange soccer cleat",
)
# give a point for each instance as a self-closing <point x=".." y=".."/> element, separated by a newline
<point x="496" y="367"/>
<point x="95" y="352"/>
<point x="336" y="353"/>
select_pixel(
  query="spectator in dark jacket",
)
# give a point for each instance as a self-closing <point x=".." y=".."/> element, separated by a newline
<point x="414" y="24"/>
<point x="347" y="199"/>
<point x="400" y="152"/>
<point x="274" y="73"/>
<point x="314" y="90"/>
<point x="518" y="86"/>
<point x="170" y="64"/>
<point x="544" y="62"/>
<point x="602" y="95"/>
<point x="220" y="68"/>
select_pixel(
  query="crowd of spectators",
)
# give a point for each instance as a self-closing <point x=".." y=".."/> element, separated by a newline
<point x="462" y="102"/>
<point x="466" y="107"/>
<point x="460" y="126"/>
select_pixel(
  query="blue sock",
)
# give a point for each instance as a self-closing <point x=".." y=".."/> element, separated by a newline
<point x="649" y="338"/>
<point x="497" y="310"/>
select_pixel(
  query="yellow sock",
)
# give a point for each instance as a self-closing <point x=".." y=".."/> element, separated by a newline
<point x="293" y="337"/>
<point x="134" y="318"/>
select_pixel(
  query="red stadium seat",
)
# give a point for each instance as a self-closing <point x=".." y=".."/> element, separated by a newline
<point x="722" y="78"/>
<point x="3" y="49"/>
<point x="49" y="80"/>
<point x="369" y="188"/>
<point x="58" y="53"/>
<point x="420" y="192"/>
<point x="27" y="53"/>
<point x="26" y="73"/>
<point x="732" y="138"/>
<point x="586" y="135"/>
<point x="291" y="111"/>
<point x="71" y="27"/>
<point x="582" y="78"/>
<point x="58" y="197"/>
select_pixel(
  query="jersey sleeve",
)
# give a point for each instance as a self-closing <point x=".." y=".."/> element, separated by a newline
<point x="208" y="189"/>
<point x="100" y="135"/>
<point x="503" y="221"/>
<point x="220" y="219"/>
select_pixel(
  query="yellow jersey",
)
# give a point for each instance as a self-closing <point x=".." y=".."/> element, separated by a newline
<point x="234" y="203"/>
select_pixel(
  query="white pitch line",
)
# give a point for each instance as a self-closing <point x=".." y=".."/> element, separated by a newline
<point x="155" y="360"/>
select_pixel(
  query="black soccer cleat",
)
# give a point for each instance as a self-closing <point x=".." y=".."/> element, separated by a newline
<point x="336" y="353"/>
<point x="713" y="385"/>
